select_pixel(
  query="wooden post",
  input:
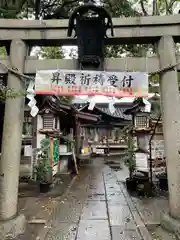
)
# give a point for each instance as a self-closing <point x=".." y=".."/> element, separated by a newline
<point x="12" y="136"/>
<point x="51" y="151"/>
<point x="107" y="141"/>
<point x="34" y="132"/>
<point x="77" y="137"/>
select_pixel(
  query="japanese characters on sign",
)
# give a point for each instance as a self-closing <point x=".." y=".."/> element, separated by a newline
<point x="77" y="82"/>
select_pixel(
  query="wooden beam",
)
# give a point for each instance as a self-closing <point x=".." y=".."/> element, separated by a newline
<point x="150" y="64"/>
<point x="54" y="32"/>
<point x="86" y="116"/>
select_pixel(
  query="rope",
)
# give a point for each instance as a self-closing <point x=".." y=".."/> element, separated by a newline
<point x="15" y="71"/>
<point x="165" y="69"/>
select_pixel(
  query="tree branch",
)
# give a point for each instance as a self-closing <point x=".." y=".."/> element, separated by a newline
<point x="143" y="8"/>
<point x="108" y="4"/>
<point x="170" y="9"/>
<point x="60" y="12"/>
<point x="68" y="2"/>
<point x="154" y="8"/>
<point x="167" y="7"/>
<point x="37" y="8"/>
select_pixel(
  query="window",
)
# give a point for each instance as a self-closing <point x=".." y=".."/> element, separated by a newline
<point x="48" y="121"/>
<point x="141" y="121"/>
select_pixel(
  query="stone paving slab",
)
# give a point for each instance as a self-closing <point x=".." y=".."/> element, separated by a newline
<point x="97" y="207"/>
<point x="150" y="209"/>
<point x="120" y="202"/>
<point x="112" y="187"/>
<point x="121" y="216"/>
<point x="64" y="231"/>
<point x="147" y="211"/>
<point x="98" y="190"/>
<point x="94" y="230"/>
<point x="96" y="197"/>
<point x="138" y="220"/>
<point x="108" y="178"/>
<point x="94" y="210"/>
<point x="119" y="233"/>
<point x="99" y="186"/>
<point x="67" y="212"/>
<point x="110" y="181"/>
<point x="115" y="196"/>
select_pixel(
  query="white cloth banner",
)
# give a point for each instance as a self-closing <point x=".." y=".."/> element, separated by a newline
<point x="78" y="82"/>
<point x="141" y="161"/>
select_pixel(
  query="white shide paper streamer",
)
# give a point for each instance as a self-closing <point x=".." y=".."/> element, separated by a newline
<point x="92" y="104"/>
<point x="32" y="102"/>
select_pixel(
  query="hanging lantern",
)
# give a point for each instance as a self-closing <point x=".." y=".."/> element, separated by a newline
<point x="90" y="24"/>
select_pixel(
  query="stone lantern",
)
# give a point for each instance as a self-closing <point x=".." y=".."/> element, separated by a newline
<point x="141" y="120"/>
<point x="141" y="127"/>
<point x="49" y="119"/>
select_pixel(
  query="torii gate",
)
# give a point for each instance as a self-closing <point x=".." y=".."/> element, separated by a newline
<point x="20" y="34"/>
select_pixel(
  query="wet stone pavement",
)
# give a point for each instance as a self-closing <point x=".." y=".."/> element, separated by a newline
<point x="97" y="207"/>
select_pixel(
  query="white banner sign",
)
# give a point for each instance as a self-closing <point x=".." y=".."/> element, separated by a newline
<point x="77" y="82"/>
<point x="141" y="161"/>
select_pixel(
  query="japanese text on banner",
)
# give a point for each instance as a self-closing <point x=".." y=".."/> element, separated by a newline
<point x="77" y="82"/>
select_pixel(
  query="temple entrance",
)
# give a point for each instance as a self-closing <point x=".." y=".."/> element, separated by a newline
<point x="91" y="75"/>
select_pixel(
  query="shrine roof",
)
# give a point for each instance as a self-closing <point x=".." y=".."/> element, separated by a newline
<point x="119" y="112"/>
<point x="155" y="110"/>
<point x="57" y="106"/>
<point x="138" y="105"/>
<point x="54" y="104"/>
<point x="155" y="116"/>
<point x="103" y="109"/>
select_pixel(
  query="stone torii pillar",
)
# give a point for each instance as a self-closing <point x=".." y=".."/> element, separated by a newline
<point x="11" y="143"/>
<point x="171" y="128"/>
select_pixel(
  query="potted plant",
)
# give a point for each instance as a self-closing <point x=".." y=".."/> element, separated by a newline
<point x="163" y="181"/>
<point x="43" y="169"/>
<point x="131" y="164"/>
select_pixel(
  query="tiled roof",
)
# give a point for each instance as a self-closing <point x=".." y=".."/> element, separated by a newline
<point x="119" y="113"/>
<point x="104" y="108"/>
<point x="155" y="116"/>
